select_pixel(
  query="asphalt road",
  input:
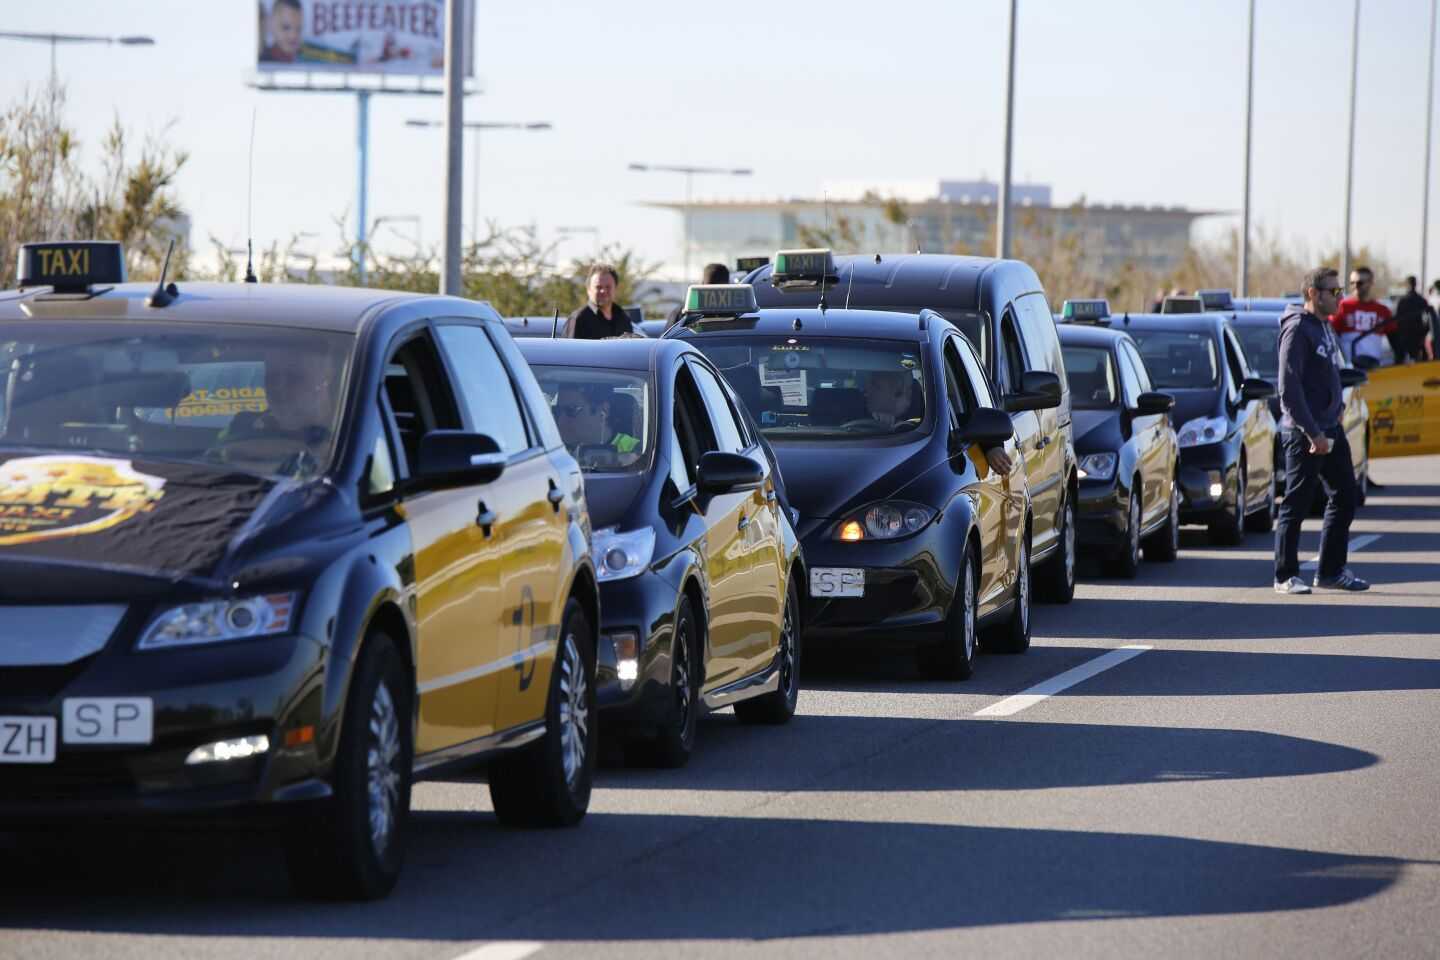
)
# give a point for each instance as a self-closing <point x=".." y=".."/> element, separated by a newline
<point x="1260" y="779"/>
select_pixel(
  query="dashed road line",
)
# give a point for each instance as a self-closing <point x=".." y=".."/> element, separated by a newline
<point x="1359" y="543"/>
<point x="1048" y="688"/>
<point x="503" y="950"/>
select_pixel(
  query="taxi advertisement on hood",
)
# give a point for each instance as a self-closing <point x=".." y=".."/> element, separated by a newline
<point x="1404" y="405"/>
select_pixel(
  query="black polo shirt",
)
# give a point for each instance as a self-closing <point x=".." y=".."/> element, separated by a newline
<point x="587" y="323"/>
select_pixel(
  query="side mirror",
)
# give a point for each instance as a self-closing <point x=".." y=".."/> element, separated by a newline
<point x="1253" y="388"/>
<point x="986" y="426"/>
<point x="454" y="458"/>
<point x="1148" y="404"/>
<point x="729" y="472"/>
<point x="1366" y="362"/>
<point x="1351" y="377"/>
<point x="1039" y="390"/>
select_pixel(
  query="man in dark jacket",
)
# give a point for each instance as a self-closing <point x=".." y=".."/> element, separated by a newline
<point x="600" y="317"/>
<point x="1316" y="451"/>
<point x="1413" y="319"/>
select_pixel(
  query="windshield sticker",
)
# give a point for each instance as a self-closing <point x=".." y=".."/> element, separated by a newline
<point x="43" y="498"/>
<point x="225" y="400"/>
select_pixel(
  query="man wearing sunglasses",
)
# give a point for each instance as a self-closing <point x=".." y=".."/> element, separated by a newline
<point x="583" y="415"/>
<point x="1316" y="451"/>
<point x="1362" y="321"/>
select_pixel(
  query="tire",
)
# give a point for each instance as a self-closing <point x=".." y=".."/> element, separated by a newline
<point x="674" y="740"/>
<point x="547" y="784"/>
<point x="1013" y="636"/>
<point x="778" y="706"/>
<point x="1229" y="530"/>
<point x="953" y="656"/>
<point x="1164" y="544"/>
<point x="1263" y="521"/>
<point x="1362" y="485"/>
<point x="354" y="845"/>
<point x="1125" y="561"/>
<point x="1056" y="581"/>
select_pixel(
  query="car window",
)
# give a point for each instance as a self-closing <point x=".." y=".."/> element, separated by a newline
<point x="1038" y="325"/>
<point x="419" y="395"/>
<point x="605" y="416"/>
<point x="532" y="399"/>
<point x="975" y="371"/>
<point x="972" y="323"/>
<point x="485" y="386"/>
<point x="1262" y="349"/>
<point x="1141" y="374"/>
<point x="727" y="431"/>
<point x="954" y="377"/>
<point x="1239" y="363"/>
<point x="691" y="431"/>
<point x="1179" y="359"/>
<point x="1092" y="377"/>
<point x="1129" y="381"/>
<point x="1012" y="355"/>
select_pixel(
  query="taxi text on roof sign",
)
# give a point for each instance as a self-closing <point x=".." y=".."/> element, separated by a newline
<point x="1085" y="309"/>
<point x="72" y="265"/>
<point x="804" y="266"/>
<point x="721" y="299"/>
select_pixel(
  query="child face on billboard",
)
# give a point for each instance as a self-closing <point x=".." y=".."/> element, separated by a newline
<point x="284" y="28"/>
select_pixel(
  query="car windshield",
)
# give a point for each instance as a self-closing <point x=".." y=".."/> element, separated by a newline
<point x="1091" y="373"/>
<point x="604" y="415"/>
<point x="823" y="388"/>
<point x="1178" y="359"/>
<point x="264" y="400"/>
<point x="1262" y="349"/>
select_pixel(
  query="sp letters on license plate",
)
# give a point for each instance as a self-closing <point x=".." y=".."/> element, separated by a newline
<point x="837" y="582"/>
<point x="109" y="720"/>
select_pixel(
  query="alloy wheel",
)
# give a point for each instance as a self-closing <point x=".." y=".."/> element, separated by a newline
<point x="1134" y="541"/>
<point x="574" y="710"/>
<point x="787" y="649"/>
<point x="683" y="698"/>
<point x="967" y="599"/>
<point x="1022" y="586"/>
<point x="383" y="775"/>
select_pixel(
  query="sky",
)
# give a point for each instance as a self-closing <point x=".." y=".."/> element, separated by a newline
<point x="1116" y="102"/>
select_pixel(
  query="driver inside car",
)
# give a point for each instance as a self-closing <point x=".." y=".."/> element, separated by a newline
<point x="887" y="398"/>
<point x="295" y="426"/>
<point x="583" y="415"/>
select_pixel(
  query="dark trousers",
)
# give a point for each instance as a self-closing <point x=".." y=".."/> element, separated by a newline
<point x="1305" y="474"/>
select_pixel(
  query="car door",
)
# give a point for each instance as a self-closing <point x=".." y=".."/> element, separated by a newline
<point x="457" y="562"/>
<point x="999" y="512"/>
<point x="527" y="526"/>
<point x="1256" y="424"/>
<point x="1404" y="406"/>
<point x="1045" y="488"/>
<point x="1042" y="352"/>
<point x="761" y="589"/>
<point x="723" y="544"/>
<point x="1152" y="448"/>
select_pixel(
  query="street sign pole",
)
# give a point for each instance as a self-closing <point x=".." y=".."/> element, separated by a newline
<point x="1003" y="230"/>
<point x="450" y="281"/>
<point x="1242" y="283"/>
<point x="1350" y="152"/>
<point x="362" y="100"/>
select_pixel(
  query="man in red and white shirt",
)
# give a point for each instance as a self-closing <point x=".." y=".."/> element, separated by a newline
<point x="1361" y="322"/>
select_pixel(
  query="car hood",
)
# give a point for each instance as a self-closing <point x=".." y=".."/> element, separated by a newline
<point x="121" y="521"/>
<point x="823" y="480"/>
<point x="1097" y="431"/>
<point x="1190" y="404"/>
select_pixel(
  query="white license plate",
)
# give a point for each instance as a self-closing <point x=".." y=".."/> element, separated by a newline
<point x="837" y="582"/>
<point x="27" y="739"/>
<point x="108" y="720"/>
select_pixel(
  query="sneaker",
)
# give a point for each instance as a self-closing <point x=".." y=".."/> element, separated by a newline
<point x="1345" y="581"/>
<point x="1293" y="585"/>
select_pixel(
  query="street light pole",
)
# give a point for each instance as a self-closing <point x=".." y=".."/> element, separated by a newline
<point x="1429" y="122"/>
<point x="1242" y="282"/>
<point x="454" y="158"/>
<point x="689" y="173"/>
<point x="55" y="39"/>
<point x="1003" y="227"/>
<point x="1350" y="151"/>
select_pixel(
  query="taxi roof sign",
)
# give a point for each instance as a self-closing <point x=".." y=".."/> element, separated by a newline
<point x="1182" y="305"/>
<point x="71" y="266"/>
<point x="1216" y="299"/>
<point x="808" y="268"/>
<point x="721" y="299"/>
<point x="747" y="264"/>
<point x="1086" y="311"/>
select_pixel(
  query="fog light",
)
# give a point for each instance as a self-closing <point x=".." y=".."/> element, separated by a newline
<point x="237" y="749"/>
<point x="1216" y="490"/>
<point x="628" y="671"/>
<point x="627" y="657"/>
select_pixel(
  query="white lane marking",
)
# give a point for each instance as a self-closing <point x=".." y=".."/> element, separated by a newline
<point x="1359" y="543"/>
<point x="503" y="950"/>
<point x="1028" y="698"/>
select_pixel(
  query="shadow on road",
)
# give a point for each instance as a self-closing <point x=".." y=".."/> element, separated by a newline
<point x="1292" y="617"/>
<point x="647" y="877"/>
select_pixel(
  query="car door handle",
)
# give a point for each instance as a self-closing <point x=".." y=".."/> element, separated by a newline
<point x="555" y="496"/>
<point x="485" y="519"/>
<point x="770" y="495"/>
<point x="744" y="522"/>
<point x="1432" y="383"/>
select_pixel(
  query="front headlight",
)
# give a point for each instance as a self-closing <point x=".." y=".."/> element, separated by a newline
<point x="619" y="556"/>
<point x="1203" y="430"/>
<point x="216" y="621"/>
<point x="1098" y="466"/>
<point x="885" y="521"/>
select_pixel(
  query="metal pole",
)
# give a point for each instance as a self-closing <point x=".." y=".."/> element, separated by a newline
<point x="1003" y="228"/>
<point x="1350" y="152"/>
<point x="362" y="99"/>
<point x="1429" y="117"/>
<point x="1243" y="280"/>
<point x="688" y="178"/>
<point x="475" y="189"/>
<point x="450" y="281"/>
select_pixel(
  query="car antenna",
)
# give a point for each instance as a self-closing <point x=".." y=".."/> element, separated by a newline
<point x="851" y="285"/>
<point x="555" y="324"/>
<point x="162" y="295"/>
<point x="250" y="208"/>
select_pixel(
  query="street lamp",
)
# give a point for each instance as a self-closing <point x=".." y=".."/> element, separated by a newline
<point x="689" y="175"/>
<point x="55" y="39"/>
<point x="475" y="160"/>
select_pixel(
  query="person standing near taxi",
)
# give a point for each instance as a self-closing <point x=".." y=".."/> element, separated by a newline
<point x="1316" y="451"/>
<point x="600" y="317"/>
<point x="1414" y="319"/>
<point x="1362" y="321"/>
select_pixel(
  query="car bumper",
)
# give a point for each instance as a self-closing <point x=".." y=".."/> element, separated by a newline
<point x="269" y="687"/>
<point x="635" y="694"/>
<point x="1203" y="471"/>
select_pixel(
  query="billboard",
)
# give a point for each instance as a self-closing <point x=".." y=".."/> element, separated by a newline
<point x="404" y="37"/>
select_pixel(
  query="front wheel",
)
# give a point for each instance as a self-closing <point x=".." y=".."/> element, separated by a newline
<point x="547" y="784"/>
<point x="1229" y="529"/>
<point x="1013" y="636"/>
<point x="1056" y="581"/>
<point x="674" y="740"/>
<point x="1164" y="544"/>
<point x="953" y="656"/>
<point x="1125" y="562"/>
<point x="778" y="706"/>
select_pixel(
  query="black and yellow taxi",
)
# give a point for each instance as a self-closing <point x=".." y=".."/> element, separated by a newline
<point x="284" y="548"/>
<point x="699" y="566"/>
<point x="1404" y="406"/>
<point x="880" y="422"/>
<point x="1222" y="418"/>
<point x="1128" y="452"/>
<point x="1001" y="308"/>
